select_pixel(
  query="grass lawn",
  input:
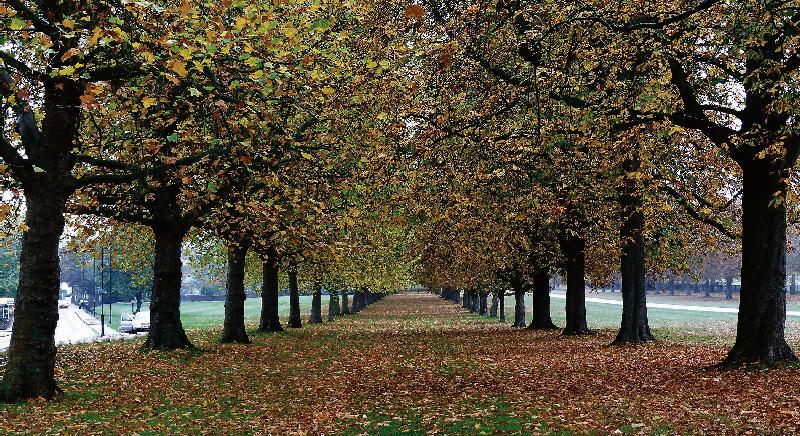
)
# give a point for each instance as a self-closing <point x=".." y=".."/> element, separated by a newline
<point x="410" y="364"/>
<point x="666" y="323"/>
<point x="201" y="314"/>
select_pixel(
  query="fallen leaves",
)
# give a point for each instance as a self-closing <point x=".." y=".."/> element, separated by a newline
<point x="410" y="363"/>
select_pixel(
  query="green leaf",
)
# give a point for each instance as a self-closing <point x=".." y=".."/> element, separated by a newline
<point x="18" y="24"/>
<point x="322" y="25"/>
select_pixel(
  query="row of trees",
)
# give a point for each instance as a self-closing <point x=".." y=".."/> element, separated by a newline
<point x="586" y="139"/>
<point x="247" y="128"/>
<point x="475" y="145"/>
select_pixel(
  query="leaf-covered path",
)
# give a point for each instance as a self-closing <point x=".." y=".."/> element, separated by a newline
<point x="411" y="362"/>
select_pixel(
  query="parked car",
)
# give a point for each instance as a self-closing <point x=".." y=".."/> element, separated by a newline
<point x="126" y="323"/>
<point x="6" y="313"/>
<point x="141" y="322"/>
<point x="63" y="304"/>
<point x="132" y="323"/>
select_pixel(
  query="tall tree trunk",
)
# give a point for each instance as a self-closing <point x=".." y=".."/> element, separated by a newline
<point x="541" y="301"/>
<point x="270" y="319"/>
<point x="333" y="305"/>
<point x="139" y="300"/>
<point x="574" y="249"/>
<point x="519" y="303"/>
<point x="294" y="300"/>
<point x="729" y="288"/>
<point x="634" y="327"/>
<point x="483" y="307"/>
<point x="475" y="303"/>
<point x="233" y="330"/>
<point x="465" y="301"/>
<point x="762" y="306"/>
<point x="316" y="305"/>
<point x="345" y="304"/>
<point x="30" y="370"/>
<point x="493" y="307"/>
<point x="355" y="306"/>
<point x="502" y="308"/>
<point x="166" y="329"/>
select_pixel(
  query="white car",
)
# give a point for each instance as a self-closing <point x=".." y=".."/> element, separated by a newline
<point x="132" y="323"/>
<point x="141" y="322"/>
<point x="63" y="304"/>
<point x="126" y="323"/>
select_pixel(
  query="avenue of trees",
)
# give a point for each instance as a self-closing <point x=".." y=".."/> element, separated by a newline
<point x="477" y="148"/>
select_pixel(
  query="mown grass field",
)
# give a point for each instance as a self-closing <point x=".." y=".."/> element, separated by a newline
<point x="410" y="364"/>
<point x="201" y="314"/>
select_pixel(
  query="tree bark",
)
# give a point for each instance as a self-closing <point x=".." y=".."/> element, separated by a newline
<point x="233" y="329"/>
<point x="270" y="319"/>
<point x="30" y="370"/>
<point x="139" y="301"/>
<point x="762" y="306"/>
<point x="519" y="304"/>
<point x="333" y="305"/>
<point x="574" y="249"/>
<point x="316" y="305"/>
<point x="634" y="327"/>
<point x="166" y="329"/>
<point x="357" y="301"/>
<point x="345" y="303"/>
<point x="483" y="309"/>
<point x="541" y="301"/>
<point x="294" y="300"/>
<point x="493" y="307"/>
<point x="729" y="288"/>
<point x="502" y="308"/>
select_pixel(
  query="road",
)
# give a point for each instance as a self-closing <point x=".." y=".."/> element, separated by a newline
<point x="74" y="326"/>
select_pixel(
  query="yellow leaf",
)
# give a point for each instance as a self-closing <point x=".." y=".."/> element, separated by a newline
<point x="96" y="33"/>
<point x="24" y="227"/>
<point x="178" y="67"/>
<point x="148" y="101"/>
<point x="290" y="32"/>
<point x="328" y="91"/>
<point x="70" y="53"/>
<point x="241" y="23"/>
<point x="69" y="24"/>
